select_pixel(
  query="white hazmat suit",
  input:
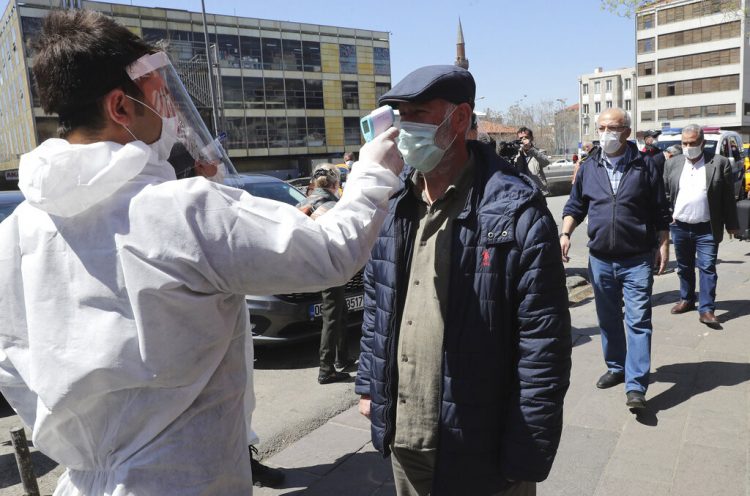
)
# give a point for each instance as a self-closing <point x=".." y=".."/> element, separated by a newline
<point x="124" y="317"/>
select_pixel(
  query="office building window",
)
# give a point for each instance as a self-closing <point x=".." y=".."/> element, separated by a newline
<point x="585" y="129"/>
<point x="231" y="90"/>
<point x="236" y="132"/>
<point x="297" y="131"/>
<point x="316" y="131"/>
<point x="275" y="97"/>
<point x="645" y="21"/>
<point x="348" y="58"/>
<point x="278" y="134"/>
<point x="646" y="68"/>
<point x="627" y="83"/>
<point x="313" y="93"/>
<point x="700" y="35"/>
<point x="272" y="56"/>
<point x="31" y="27"/>
<point x="696" y="9"/>
<point x="597" y="107"/>
<point x="747" y="108"/>
<point x="647" y="115"/>
<point x="585" y="88"/>
<point x="154" y="35"/>
<point x="727" y="109"/>
<point x="608" y="85"/>
<point x="292" y="55"/>
<point x="352" y="133"/>
<point x="646" y="92"/>
<point x="597" y="87"/>
<point x="311" y="56"/>
<point x="646" y="45"/>
<point x="585" y="108"/>
<point x="257" y="135"/>
<point x="295" y="94"/>
<point x="700" y="60"/>
<point x="255" y="96"/>
<point x="381" y="89"/>
<point x="251" y="52"/>
<point x="704" y="85"/>
<point x="628" y="105"/>
<point x="609" y="103"/>
<point x="382" y="61"/>
<point x="228" y="50"/>
<point x="181" y="44"/>
<point x="350" y="94"/>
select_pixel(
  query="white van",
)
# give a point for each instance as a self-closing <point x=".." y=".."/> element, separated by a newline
<point x="726" y="143"/>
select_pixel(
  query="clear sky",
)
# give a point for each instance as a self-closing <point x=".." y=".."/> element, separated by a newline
<point x="519" y="51"/>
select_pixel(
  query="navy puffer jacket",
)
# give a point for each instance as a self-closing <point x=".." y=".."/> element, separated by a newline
<point x="506" y="349"/>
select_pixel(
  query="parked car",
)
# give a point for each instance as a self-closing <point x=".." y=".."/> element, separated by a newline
<point x="726" y="143"/>
<point x="559" y="175"/>
<point x="9" y="200"/>
<point x="288" y="318"/>
<point x="300" y="183"/>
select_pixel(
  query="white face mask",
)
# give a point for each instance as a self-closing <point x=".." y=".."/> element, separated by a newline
<point x="693" y="152"/>
<point x="162" y="147"/>
<point x="610" y="141"/>
<point x="416" y="142"/>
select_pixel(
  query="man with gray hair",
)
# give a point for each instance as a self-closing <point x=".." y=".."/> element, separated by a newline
<point x="700" y="187"/>
<point x="623" y="196"/>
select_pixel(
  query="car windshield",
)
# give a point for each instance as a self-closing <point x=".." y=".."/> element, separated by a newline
<point x="7" y="207"/>
<point x="664" y="144"/>
<point x="279" y="191"/>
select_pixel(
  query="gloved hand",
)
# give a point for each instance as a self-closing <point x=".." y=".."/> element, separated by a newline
<point x="382" y="150"/>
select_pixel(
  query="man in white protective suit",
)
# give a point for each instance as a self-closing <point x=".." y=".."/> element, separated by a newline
<point x="124" y="321"/>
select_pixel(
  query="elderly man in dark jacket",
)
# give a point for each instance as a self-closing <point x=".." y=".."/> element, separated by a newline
<point x="465" y="353"/>
<point x="623" y="196"/>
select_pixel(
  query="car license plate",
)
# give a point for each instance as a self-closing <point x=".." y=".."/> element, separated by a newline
<point x="353" y="303"/>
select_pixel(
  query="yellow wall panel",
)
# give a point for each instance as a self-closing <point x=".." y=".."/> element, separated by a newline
<point x="367" y="95"/>
<point x="364" y="60"/>
<point x="329" y="56"/>
<point x="334" y="131"/>
<point x="332" y="98"/>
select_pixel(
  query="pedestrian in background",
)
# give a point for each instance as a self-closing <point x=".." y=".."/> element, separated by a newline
<point x="465" y="351"/>
<point x="623" y="196"/>
<point x="334" y="350"/>
<point x="586" y="150"/>
<point x="532" y="161"/>
<point x="700" y="186"/>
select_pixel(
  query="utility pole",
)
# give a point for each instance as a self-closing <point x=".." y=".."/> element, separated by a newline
<point x="209" y="61"/>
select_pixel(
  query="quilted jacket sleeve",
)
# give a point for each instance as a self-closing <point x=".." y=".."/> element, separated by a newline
<point x="362" y="382"/>
<point x="535" y="416"/>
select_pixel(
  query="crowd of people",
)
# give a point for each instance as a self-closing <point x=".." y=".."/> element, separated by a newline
<point x="125" y="346"/>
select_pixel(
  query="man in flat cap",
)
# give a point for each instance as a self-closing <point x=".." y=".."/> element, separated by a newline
<point x="465" y="352"/>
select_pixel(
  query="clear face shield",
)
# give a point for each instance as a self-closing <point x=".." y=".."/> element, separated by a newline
<point x="185" y="139"/>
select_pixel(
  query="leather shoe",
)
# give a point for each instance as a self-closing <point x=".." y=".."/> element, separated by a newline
<point x="610" y="379"/>
<point x="709" y="319"/>
<point x="635" y="399"/>
<point x="682" y="307"/>
<point x="333" y="377"/>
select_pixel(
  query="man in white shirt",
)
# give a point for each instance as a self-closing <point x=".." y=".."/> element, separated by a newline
<point x="700" y="188"/>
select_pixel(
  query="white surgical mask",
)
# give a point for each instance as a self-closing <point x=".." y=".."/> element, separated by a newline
<point x="416" y="142"/>
<point x="610" y="141"/>
<point x="168" y="137"/>
<point x="692" y="152"/>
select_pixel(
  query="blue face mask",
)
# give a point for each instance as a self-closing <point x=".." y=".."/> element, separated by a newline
<point x="416" y="142"/>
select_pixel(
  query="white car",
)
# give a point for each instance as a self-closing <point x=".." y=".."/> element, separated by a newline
<point x="559" y="175"/>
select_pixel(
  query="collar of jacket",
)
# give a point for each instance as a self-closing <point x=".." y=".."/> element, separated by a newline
<point x="498" y="193"/>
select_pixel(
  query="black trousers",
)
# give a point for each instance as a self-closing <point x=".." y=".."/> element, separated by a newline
<point x="333" y="342"/>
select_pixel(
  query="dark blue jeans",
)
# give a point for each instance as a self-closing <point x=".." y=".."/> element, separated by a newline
<point x="626" y="345"/>
<point x="694" y="245"/>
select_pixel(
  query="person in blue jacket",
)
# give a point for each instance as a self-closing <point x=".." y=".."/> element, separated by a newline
<point x="465" y="350"/>
<point x="622" y="193"/>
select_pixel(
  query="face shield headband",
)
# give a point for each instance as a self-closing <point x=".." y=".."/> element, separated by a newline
<point x="165" y="94"/>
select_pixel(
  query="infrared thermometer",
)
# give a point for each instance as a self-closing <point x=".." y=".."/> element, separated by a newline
<point x="377" y="121"/>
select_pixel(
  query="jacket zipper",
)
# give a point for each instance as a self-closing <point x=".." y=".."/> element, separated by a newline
<point x="613" y="237"/>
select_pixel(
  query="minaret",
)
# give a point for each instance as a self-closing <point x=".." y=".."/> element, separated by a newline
<point x="461" y="60"/>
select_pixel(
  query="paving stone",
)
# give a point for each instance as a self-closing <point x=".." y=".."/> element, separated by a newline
<point x="580" y="462"/>
<point x="601" y="409"/>
<point x="361" y="474"/>
<point x="352" y="418"/>
<point x="295" y="482"/>
<point x="627" y="486"/>
<point x="707" y="471"/>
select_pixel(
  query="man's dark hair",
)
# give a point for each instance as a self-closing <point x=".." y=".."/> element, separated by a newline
<point x="348" y="156"/>
<point x="81" y="55"/>
<point x="526" y="130"/>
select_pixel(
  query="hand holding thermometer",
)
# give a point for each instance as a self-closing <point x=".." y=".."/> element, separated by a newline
<point x="377" y="121"/>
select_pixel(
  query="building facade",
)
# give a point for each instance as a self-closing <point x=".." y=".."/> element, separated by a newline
<point x="691" y="65"/>
<point x="601" y="90"/>
<point x="288" y="93"/>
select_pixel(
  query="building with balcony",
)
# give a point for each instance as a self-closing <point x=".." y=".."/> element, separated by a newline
<point x="691" y="64"/>
<point x="601" y="90"/>
<point x="289" y="94"/>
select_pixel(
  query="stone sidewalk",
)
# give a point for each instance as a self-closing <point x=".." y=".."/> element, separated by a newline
<point x="691" y="440"/>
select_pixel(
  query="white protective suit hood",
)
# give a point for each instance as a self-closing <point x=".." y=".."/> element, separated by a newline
<point x="65" y="179"/>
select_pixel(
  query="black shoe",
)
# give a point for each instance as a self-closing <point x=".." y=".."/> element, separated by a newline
<point x="263" y="475"/>
<point x="333" y="377"/>
<point x="610" y="379"/>
<point x="344" y="365"/>
<point x="635" y="399"/>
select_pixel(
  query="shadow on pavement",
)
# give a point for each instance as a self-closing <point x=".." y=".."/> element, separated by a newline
<point x="689" y="380"/>
<point x="583" y="335"/>
<point x="9" y="470"/>
<point x="734" y="309"/>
